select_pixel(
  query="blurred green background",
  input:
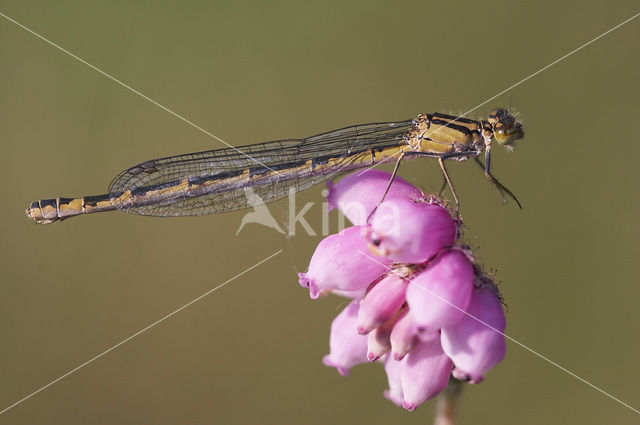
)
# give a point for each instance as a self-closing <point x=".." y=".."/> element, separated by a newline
<point x="254" y="71"/>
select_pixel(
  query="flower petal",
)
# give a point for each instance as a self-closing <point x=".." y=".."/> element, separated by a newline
<point x="382" y="302"/>
<point x="342" y="262"/>
<point x="410" y="232"/>
<point x="348" y="348"/>
<point x="425" y="373"/>
<point x="357" y="194"/>
<point x="473" y="346"/>
<point x="440" y="294"/>
<point x="403" y="337"/>
<point x="378" y="343"/>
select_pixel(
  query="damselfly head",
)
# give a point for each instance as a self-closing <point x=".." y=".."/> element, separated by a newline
<point x="506" y="127"/>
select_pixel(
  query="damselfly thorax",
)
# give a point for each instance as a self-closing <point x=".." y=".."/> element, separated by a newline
<point x="215" y="181"/>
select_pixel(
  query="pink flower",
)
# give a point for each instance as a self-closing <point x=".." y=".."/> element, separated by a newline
<point x="424" y="374"/>
<point x="348" y="348"/>
<point x="339" y="264"/>
<point x="474" y="346"/>
<point x="414" y="300"/>
<point x="410" y="232"/>
<point x="404" y="336"/>
<point x="382" y="302"/>
<point x="378" y="342"/>
<point x="359" y="193"/>
<point x="440" y="295"/>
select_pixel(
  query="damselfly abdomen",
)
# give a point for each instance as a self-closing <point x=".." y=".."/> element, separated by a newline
<point x="215" y="181"/>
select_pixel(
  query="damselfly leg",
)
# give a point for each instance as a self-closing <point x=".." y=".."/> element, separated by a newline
<point x="453" y="191"/>
<point x="447" y="180"/>
<point x="386" y="191"/>
<point x="486" y="167"/>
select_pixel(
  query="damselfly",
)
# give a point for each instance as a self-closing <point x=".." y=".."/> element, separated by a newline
<point x="215" y="181"/>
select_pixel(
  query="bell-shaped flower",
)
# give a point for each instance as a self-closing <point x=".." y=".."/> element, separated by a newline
<point x="439" y="295"/>
<point x="357" y="194"/>
<point x="410" y="232"/>
<point x="378" y="343"/>
<point x="476" y="343"/>
<point x="382" y="302"/>
<point x="425" y="373"/>
<point x="404" y="337"/>
<point x="348" y="348"/>
<point x="343" y="262"/>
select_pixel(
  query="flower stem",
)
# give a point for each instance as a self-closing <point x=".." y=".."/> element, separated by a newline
<point x="447" y="403"/>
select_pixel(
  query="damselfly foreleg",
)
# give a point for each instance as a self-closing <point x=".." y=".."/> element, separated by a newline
<point x="487" y="172"/>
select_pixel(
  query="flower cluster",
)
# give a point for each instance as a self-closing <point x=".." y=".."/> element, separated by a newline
<point x="420" y="304"/>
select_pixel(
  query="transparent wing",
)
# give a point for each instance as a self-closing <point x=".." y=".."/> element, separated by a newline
<point x="230" y="200"/>
<point x="347" y="144"/>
